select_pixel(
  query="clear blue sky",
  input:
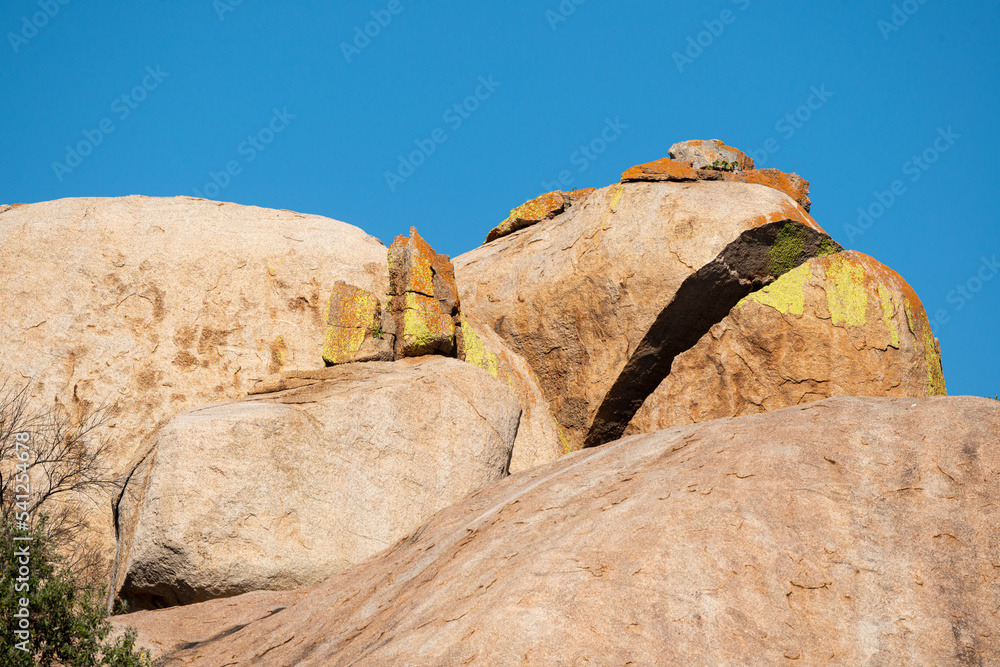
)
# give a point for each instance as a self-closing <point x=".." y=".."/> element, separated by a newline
<point x="202" y="82"/>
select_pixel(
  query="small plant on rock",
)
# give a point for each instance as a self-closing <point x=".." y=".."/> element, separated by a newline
<point x="377" y="332"/>
<point x="722" y="165"/>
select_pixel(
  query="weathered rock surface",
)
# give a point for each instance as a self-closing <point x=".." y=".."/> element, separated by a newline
<point x="155" y="305"/>
<point x="841" y="325"/>
<point x="541" y="208"/>
<point x="539" y="438"/>
<point x="663" y="169"/>
<point x="354" y="327"/>
<point x="666" y="169"/>
<point x="283" y="490"/>
<point x="600" y="299"/>
<point x="702" y="154"/>
<point x="792" y="185"/>
<point x="167" y="630"/>
<point x="848" y="531"/>
<point x="423" y="298"/>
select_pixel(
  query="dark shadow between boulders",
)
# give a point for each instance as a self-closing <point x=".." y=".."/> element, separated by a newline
<point x="754" y="260"/>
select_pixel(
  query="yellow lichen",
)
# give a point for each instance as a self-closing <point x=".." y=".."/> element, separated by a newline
<point x="476" y="352"/>
<point x="846" y="295"/>
<point x="935" y="371"/>
<point x="920" y="326"/>
<point x="615" y="199"/>
<point x="564" y="440"/>
<point x="423" y="325"/>
<point x="786" y="294"/>
<point x="889" y="314"/>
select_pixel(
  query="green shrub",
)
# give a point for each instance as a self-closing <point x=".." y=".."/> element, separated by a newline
<point x="67" y="625"/>
<point x="722" y="165"/>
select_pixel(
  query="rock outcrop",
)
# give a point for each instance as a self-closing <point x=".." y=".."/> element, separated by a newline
<point x="355" y="330"/>
<point x="156" y="305"/>
<point x="600" y="299"/>
<point x="539" y="438"/>
<point x="848" y="531"/>
<point x="737" y="170"/>
<point x="702" y="154"/>
<point x="282" y="490"/>
<point x="544" y="207"/>
<point x="841" y="325"/>
<point x="423" y="298"/>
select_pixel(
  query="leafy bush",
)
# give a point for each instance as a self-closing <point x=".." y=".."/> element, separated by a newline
<point x="722" y="165"/>
<point x="50" y="462"/>
<point x="66" y="625"/>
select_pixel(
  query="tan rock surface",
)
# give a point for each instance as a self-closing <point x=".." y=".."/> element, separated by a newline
<point x="599" y="299"/>
<point x="539" y="438"/>
<point x="703" y="153"/>
<point x="156" y="305"/>
<point x="847" y="532"/>
<point x="279" y="491"/>
<point x="842" y="325"/>
<point x="167" y="630"/>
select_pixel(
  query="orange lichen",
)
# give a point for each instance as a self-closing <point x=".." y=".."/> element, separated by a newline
<point x="787" y="210"/>
<point x="544" y="207"/>
<point x="663" y="169"/>
<point x="792" y="185"/>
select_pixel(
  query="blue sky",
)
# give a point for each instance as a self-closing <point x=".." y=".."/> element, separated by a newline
<point x="267" y="98"/>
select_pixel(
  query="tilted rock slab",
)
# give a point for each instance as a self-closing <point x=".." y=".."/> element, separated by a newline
<point x="539" y="438"/>
<point x="848" y="531"/>
<point x="156" y="305"/>
<point x="541" y="208"/>
<point x="842" y="325"/>
<point x="279" y="491"/>
<point x="600" y="299"/>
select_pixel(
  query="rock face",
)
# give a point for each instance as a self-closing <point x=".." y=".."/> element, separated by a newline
<point x="538" y="209"/>
<point x="841" y="325"/>
<point x="600" y="299"/>
<point x="423" y="298"/>
<point x="283" y="490"/>
<point x="354" y="327"/>
<point x="539" y="438"/>
<point x="666" y="169"/>
<point x="663" y="169"/>
<point x="848" y="531"/>
<point x="167" y="630"/>
<point x="158" y="305"/>
<point x="703" y="154"/>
